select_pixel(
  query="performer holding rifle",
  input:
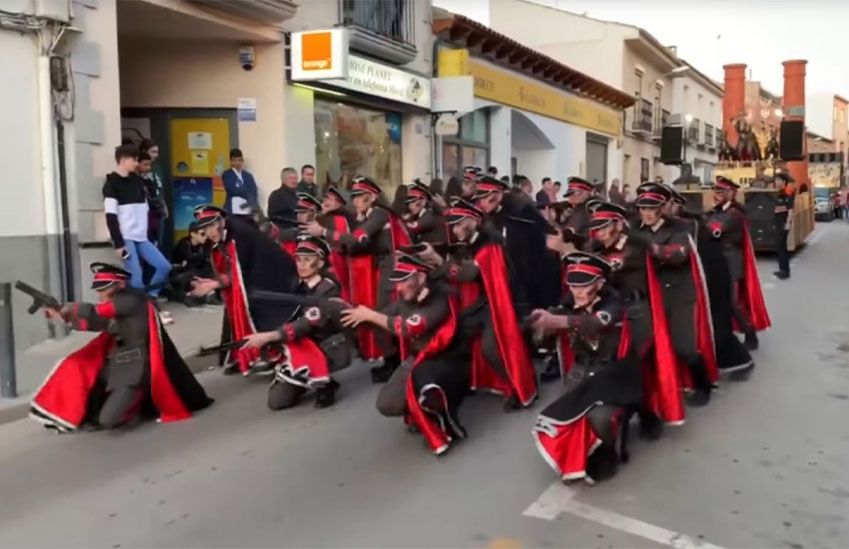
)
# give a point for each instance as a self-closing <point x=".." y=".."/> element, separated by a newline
<point x="336" y="217"/>
<point x="578" y="433"/>
<point x="245" y="259"/>
<point x="491" y="334"/>
<point x="130" y="370"/>
<point x="429" y="385"/>
<point x="313" y="342"/>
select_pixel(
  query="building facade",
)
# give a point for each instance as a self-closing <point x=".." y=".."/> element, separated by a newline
<point x="527" y="113"/>
<point x="635" y="63"/>
<point x="376" y="120"/>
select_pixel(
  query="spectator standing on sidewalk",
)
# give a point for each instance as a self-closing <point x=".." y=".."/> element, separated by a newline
<point x="241" y="188"/>
<point x="283" y="200"/>
<point x="126" y="207"/>
<point x="148" y="153"/>
<point x="307" y="183"/>
<point x="783" y="220"/>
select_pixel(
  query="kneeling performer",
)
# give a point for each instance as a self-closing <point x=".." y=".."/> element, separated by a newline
<point x="577" y="434"/>
<point x="429" y="385"/>
<point x="313" y="342"/>
<point x="131" y="369"/>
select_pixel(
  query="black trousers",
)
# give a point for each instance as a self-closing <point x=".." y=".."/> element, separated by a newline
<point x="781" y="249"/>
<point x="113" y="413"/>
<point x="739" y="315"/>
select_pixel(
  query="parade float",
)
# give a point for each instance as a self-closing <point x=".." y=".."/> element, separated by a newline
<point x="750" y="153"/>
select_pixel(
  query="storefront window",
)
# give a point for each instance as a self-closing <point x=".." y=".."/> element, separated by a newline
<point x="470" y="148"/>
<point x="353" y="140"/>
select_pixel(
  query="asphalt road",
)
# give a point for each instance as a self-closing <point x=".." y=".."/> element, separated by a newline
<point x="763" y="466"/>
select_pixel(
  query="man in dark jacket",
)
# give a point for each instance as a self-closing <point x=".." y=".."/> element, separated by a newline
<point x="241" y="188"/>
<point x="283" y="201"/>
<point x="307" y="183"/>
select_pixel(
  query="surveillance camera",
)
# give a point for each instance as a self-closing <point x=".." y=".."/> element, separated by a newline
<point x="247" y="57"/>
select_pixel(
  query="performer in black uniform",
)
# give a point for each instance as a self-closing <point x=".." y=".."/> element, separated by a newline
<point x="634" y="277"/>
<point x="491" y="335"/>
<point x="578" y="194"/>
<point x="534" y="272"/>
<point x="578" y="433"/>
<point x="684" y="295"/>
<point x="431" y="382"/>
<point x="728" y="224"/>
<point x="470" y="180"/>
<point x="783" y="222"/>
<point x="313" y="342"/>
<point x="731" y="355"/>
<point x="422" y="220"/>
<point x="131" y="369"/>
<point x="245" y="259"/>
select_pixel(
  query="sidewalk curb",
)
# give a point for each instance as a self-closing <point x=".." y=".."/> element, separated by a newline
<point x="20" y="408"/>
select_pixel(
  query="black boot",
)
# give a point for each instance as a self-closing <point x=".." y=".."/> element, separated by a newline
<point x="552" y="369"/>
<point x="512" y="404"/>
<point x="742" y="374"/>
<point x="382" y="373"/>
<point x="702" y="385"/>
<point x="325" y="396"/>
<point x="651" y="427"/>
<point x="751" y="341"/>
<point x="698" y="398"/>
<point x="603" y="464"/>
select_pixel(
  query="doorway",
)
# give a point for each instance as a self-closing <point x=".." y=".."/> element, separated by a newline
<point x="596" y="158"/>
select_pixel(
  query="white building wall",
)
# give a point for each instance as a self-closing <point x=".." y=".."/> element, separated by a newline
<point x="500" y="135"/>
<point x="819" y="114"/>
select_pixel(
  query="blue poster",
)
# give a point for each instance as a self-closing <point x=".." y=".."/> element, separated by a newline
<point x="393" y="126"/>
<point x="188" y="193"/>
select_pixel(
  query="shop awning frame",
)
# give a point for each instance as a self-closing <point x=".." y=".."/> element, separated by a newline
<point x="506" y="52"/>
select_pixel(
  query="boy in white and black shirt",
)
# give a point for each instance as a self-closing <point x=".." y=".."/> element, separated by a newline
<point x="126" y="207"/>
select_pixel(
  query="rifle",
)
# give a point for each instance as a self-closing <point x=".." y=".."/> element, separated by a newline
<point x="39" y="298"/>
<point x="292" y="299"/>
<point x="224" y="347"/>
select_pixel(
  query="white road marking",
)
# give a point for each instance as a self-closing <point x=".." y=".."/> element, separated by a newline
<point x="559" y="498"/>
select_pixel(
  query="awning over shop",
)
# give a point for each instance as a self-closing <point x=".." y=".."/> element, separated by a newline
<point x="504" y="51"/>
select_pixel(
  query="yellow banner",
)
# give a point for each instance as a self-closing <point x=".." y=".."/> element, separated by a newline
<point x="503" y="87"/>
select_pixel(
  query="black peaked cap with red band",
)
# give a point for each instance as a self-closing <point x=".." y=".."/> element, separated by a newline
<point x="418" y="190"/>
<point x="471" y="172"/>
<point x="106" y="275"/>
<point x="652" y="195"/>
<point x="313" y="245"/>
<point x="578" y="184"/>
<point x="339" y="194"/>
<point x="365" y="185"/>
<point x="462" y="209"/>
<point x="604" y="213"/>
<point x="584" y="268"/>
<point x="725" y="184"/>
<point x="206" y="214"/>
<point x="677" y="197"/>
<point x="488" y="184"/>
<point x="406" y="266"/>
<point x="307" y="203"/>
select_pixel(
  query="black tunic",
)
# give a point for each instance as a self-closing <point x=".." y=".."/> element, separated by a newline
<point x="428" y="226"/>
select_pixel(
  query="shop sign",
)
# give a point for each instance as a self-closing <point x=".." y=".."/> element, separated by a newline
<point x="453" y="94"/>
<point x="319" y="54"/>
<point x="506" y="88"/>
<point x="372" y="78"/>
<point x="446" y="124"/>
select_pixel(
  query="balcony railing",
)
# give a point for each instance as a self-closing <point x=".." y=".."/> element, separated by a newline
<point x="709" y="135"/>
<point x="661" y="118"/>
<point x="642" y="117"/>
<point x="391" y="19"/>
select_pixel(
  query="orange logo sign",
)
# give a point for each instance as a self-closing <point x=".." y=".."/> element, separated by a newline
<point x="316" y="52"/>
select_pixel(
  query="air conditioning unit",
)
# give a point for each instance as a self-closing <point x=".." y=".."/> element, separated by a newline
<point x="676" y="119"/>
<point x="55" y="10"/>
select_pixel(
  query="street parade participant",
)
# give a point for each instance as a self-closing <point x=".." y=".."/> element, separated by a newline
<point x="728" y="224"/>
<point x="578" y="433"/>
<point x="335" y="216"/>
<point x="783" y="221"/>
<point x="422" y="220"/>
<point x="634" y="277"/>
<point x="286" y="231"/>
<point x="130" y="370"/>
<point x="578" y="193"/>
<point x="470" y="180"/>
<point x="491" y="335"/>
<point x="370" y="248"/>
<point x="429" y="385"/>
<point x="685" y="297"/>
<point x="313" y="343"/>
<point x="534" y="272"/>
<point x="245" y="259"/>
<point x="731" y="355"/>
